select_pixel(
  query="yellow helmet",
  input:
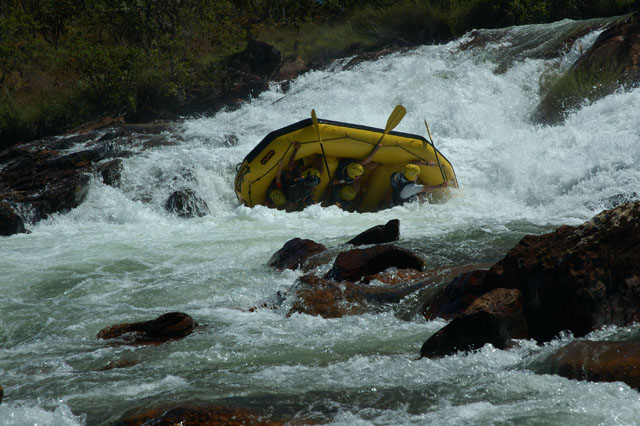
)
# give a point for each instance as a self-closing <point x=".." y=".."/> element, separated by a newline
<point x="347" y="193"/>
<point x="277" y="197"/>
<point x="411" y="172"/>
<point x="354" y="170"/>
<point x="312" y="172"/>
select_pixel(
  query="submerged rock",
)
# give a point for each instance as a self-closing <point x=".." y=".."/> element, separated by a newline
<point x="329" y="299"/>
<point x="196" y="415"/>
<point x="575" y="278"/>
<point x="603" y="361"/>
<point x="167" y="327"/>
<point x="294" y="252"/>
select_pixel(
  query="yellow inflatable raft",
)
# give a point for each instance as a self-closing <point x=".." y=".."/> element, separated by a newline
<point x="333" y="141"/>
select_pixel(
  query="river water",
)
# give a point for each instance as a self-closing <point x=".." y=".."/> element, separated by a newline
<point x="120" y="257"/>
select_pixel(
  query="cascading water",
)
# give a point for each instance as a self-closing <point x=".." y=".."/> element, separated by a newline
<point x="120" y="257"/>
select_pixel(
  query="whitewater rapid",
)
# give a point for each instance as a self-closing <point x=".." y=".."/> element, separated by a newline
<point x="120" y="257"/>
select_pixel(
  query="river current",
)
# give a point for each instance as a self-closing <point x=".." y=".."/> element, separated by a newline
<point x="120" y="257"/>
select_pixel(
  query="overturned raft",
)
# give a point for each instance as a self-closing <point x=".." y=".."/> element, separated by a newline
<point x="339" y="141"/>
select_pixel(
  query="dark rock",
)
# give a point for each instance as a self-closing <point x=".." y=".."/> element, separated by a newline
<point x="45" y="181"/>
<point x="258" y="58"/>
<point x="1" y="393"/>
<point x="379" y="234"/>
<point x="294" y="253"/>
<point x="170" y="326"/>
<point x="196" y="415"/>
<point x="10" y="222"/>
<point x="575" y="278"/>
<point x="322" y="297"/>
<point x="111" y="172"/>
<point x="353" y="265"/>
<point x="603" y="361"/>
<point x="613" y="62"/>
<point x="186" y="203"/>
<point x="456" y="297"/>
<point x="496" y="317"/>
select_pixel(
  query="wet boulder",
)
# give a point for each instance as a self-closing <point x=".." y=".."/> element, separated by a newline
<point x="196" y="414"/>
<point x="10" y="222"/>
<point x="496" y="317"/>
<point x="575" y="278"/>
<point x="456" y="297"/>
<point x="294" y="252"/>
<point x="111" y="172"/>
<point x="602" y="361"/>
<point x="379" y="234"/>
<point x="44" y="181"/>
<point x="356" y="264"/>
<point x="167" y="327"/>
<point x="613" y="62"/>
<point x="186" y="203"/>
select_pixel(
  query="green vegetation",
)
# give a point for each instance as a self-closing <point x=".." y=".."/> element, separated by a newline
<point x="64" y="62"/>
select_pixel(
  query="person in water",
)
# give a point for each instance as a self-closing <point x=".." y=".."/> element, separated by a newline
<point x="404" y="187"/>
<point x="294" y="185"/>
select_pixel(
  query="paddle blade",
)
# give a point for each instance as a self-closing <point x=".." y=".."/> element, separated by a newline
<point x="395" y="118"/>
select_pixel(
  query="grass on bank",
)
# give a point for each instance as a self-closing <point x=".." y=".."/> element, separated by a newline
<point x="85" y="74"/>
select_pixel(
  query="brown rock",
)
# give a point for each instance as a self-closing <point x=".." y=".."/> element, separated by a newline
<point x="196" y="415"/>
<point x="170" y="326"/>
<point x="456" y="297"/>
<point x="291" y="68"/>
<point x="495" y="317"/>
<point x="575" y="278"/>
<point x="294" y="252"/>
<point x="329" y="299"/>
<point x="378" y="234"/>
<point x="356" y="264"/>
<point x="603" y="361"/>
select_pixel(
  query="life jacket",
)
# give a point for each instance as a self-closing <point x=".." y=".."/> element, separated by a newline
<point x="398" y="183"/>
<point x="296" y="189"/>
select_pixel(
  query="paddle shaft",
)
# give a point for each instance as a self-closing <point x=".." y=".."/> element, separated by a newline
<point x="435" y="151"/>
<point x="316" y="126"/>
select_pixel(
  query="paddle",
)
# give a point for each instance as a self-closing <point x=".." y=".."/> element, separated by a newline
<point x="435" y="151"/>
<point x="316" y="126"/>
<point x="394" y="119"/>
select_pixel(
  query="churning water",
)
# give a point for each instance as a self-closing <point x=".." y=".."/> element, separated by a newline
<point x="120" y="257"/>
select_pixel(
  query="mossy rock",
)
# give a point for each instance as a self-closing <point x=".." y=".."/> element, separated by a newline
<point x="612" y="63"/>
